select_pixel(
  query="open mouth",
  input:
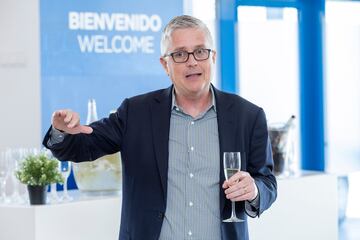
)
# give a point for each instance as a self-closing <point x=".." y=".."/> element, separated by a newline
<point x="193" y="75"/>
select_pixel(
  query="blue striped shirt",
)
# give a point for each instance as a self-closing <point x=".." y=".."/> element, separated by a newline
<point x="193" y="207"/>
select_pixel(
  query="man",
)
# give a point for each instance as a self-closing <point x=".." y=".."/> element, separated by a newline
<point x="172" y="141"/>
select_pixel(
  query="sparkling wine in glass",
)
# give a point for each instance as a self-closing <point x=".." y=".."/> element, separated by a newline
<point x="65" y="169"/>
<point x="232" y="164"/>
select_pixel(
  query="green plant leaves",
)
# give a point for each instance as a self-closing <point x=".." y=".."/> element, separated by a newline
<point x="39" y="170"/>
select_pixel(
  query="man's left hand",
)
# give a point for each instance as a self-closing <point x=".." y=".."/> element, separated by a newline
<point x="240" y="187"/>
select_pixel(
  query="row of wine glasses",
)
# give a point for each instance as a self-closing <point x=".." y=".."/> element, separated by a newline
<point x="12" y="191"/>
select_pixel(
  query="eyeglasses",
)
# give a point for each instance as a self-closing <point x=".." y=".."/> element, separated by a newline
<point x="182" y="56"/>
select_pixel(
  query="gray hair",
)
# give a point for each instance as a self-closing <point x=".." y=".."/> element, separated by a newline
<point x="182" y="22"/>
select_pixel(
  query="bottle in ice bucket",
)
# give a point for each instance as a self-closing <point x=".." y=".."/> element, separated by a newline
<point x="282" y="146"/>
<point x="103" y="175"/>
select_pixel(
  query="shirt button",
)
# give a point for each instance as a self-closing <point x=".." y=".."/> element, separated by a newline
<point x="192" y="122"/>
<point x="177" y="109"/>
<point x="189" y="233"/>
<point x="192" y="148"/>
<point x="191" y="175"/>
<point x="191" y="204"/>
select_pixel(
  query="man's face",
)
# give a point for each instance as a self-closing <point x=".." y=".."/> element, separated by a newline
<point x="191" y="78"/>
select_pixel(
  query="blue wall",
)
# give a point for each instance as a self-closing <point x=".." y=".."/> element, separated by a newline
<point x="109" y="59"/>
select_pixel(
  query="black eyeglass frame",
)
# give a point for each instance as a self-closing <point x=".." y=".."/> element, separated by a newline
<point x="188" y="55"/>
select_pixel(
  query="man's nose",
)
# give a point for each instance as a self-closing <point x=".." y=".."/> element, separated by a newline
<point x="191" y="61"/>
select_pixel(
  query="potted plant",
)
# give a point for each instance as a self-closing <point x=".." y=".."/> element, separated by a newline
<point x="37" y="172"/>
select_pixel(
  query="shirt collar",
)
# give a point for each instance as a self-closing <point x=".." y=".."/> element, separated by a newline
<point x="175" y="105"/>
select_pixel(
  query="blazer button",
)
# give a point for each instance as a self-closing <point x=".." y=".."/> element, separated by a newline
<point x="161" y="215"/>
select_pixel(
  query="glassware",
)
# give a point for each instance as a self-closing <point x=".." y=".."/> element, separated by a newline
<point x="65" y="169"/>
<point x="282" y="144"/>
<point x="15" y="157"/>
<point x="22" y="188"/>
<point x="92" y="112"/>
<point x="3" y="175"/>
<point x="53" y="197"/>
<point x="232" y="164"/>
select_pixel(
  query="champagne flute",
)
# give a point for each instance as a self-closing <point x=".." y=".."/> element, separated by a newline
<point x="15" y="160"/>
<point x="3" y="175"/>
<point x="232" y="164"/>
<point x="65" y="169"/>
<point x="53" y="198"/>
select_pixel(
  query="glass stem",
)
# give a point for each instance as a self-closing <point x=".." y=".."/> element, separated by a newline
<point x="15" y="194"/>
<point x="65" y="188"/>
<point x="2" y="189"/>
<point x="53" y="189"/>
<point x="233" y="213"/>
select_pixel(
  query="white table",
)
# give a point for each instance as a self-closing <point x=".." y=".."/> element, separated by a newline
<point x="306" y="208"/>
<point x="91" y="218"/>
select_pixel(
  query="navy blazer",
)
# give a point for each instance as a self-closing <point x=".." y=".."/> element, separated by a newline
<point x="140" y="130"/>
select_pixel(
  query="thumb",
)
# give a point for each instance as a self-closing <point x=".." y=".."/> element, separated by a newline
<point x="85" y="129"/>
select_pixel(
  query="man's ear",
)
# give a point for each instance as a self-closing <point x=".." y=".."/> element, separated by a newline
<point x="214" y="56"/>
<point x="164" y="63"/>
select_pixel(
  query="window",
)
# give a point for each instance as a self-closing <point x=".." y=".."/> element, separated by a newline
<point x="268" y="63"/>
<point x="343" y="95"/>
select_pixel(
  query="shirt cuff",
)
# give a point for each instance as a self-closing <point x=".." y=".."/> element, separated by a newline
<point x="252" y="207"/>
<point x="56" y="136"/>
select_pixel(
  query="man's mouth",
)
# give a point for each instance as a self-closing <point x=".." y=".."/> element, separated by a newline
<point x="193" y="75"/>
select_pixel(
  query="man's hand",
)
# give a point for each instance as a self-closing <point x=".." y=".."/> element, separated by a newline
<point x="69" y="122"/>
<point x="240" y="187"/>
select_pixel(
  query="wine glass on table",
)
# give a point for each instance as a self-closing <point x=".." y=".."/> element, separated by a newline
<point x="65" y="169"/>
<point x="3" y="175"/>
<point x="53" y="197"/>
<point x="16" y="157"/>
<point x="232" y="164"/>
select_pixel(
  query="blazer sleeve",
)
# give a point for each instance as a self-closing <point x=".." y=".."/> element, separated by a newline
<point x="260" y="164"/>
<point x="106" y="138"/>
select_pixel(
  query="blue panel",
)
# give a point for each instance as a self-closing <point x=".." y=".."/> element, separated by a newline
<point x="227" y="39"/>
<point x="269" y="3"/>
<point x="120" y="60"/>
<point x="311" y="20"/>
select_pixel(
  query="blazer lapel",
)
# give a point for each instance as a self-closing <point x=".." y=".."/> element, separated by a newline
<point x="227" y="119"/>
<point x="160" y="116"/>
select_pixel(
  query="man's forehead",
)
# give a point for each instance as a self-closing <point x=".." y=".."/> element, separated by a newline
<point x="188" y="32"/>
<point x="189" y="48"/>
<point x="188" y="39"/>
